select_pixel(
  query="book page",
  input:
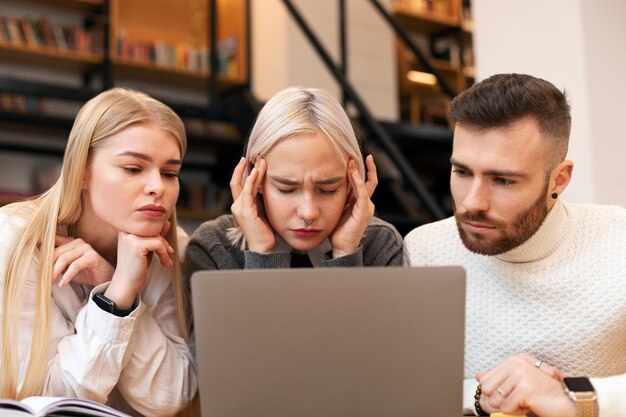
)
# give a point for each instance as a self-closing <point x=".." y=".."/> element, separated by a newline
<point x="14" y="407"/>
<point x="48" y="405"/>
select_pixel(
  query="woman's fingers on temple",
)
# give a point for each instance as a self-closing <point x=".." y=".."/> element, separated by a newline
<point x="372" y="175"/>
<point x="248" y="186"/>
<point x="359" y="187"/>
<point x="235" y="180"/>
<point x="261" y="166"/>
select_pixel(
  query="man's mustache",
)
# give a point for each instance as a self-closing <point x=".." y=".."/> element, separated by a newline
<point x="477" y="217"/>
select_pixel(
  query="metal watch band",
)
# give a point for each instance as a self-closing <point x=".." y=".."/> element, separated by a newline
<point x="586" y="408"/>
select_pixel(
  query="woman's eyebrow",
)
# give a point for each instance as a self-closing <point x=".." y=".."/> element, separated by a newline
<point x="326" y="181"/>
<point x="147" y="158"/>
<point x="331" y="181"/>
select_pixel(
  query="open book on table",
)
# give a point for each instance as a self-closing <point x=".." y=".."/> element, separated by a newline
<point x="56" y="406"/>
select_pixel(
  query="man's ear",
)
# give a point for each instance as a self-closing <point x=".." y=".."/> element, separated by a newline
<point x="561" y="176"/>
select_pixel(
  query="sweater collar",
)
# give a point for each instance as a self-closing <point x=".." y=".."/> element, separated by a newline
<point x="316" y="255"/>
<point x="546" y="240"/>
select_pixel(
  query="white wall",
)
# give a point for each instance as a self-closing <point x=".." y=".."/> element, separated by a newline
<point x="605" y="32"/>
<point x="282" y="56"/>
<point x="575" y="44"/>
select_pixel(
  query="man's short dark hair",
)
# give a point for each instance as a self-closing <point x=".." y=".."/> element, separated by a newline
<point x="502" y="99"/>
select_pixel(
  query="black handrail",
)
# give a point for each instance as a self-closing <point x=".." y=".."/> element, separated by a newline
<point x="401" y="33"/>
<point x="213" y="57"/>
<point x="343" y="47"/>
<point x="369" y="122"/>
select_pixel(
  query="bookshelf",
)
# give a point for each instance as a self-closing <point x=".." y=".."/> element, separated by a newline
<point x="442" y="30"/>
<point x="56" y="54"/>
<point x="141" y="48"/>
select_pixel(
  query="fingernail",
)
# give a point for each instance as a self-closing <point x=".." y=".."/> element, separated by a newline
<point x="243" y="158"/>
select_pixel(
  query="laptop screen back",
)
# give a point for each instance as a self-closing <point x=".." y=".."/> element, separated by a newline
<point x="334" y="342"/>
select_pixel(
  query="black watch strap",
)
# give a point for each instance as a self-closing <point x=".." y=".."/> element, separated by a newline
<point x="109" y="306"/>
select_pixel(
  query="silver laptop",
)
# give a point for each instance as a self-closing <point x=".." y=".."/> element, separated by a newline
<point x="330" y="342"/>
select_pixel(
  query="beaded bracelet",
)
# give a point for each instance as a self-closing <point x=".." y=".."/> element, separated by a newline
<point x="479" y="410"/>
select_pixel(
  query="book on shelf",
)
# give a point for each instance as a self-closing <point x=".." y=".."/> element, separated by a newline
<point x="182" y="56"/>
<point x="13" y="28"/>
<point x="28" y="32"/>
<point x="45" y="32"/>
<point x="42" y="106"/>
<point x="59" y="38"/>
<point x="39" y="31"/>
<point x="56" y="406"/>
<point x="4" y="30"/>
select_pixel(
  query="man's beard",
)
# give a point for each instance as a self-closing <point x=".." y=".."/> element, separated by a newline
<point x="512" y="235"/>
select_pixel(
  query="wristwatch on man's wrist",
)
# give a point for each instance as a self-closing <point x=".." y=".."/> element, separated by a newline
<point x="109" y="306"/>
<point x="580" y="390"/>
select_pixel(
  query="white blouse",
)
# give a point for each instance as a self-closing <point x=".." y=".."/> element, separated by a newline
<point x="139" y="361"/>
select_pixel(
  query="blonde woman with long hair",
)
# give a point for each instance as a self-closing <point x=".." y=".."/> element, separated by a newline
<point x="300" y="195"/>
<point x="92" y="305"/>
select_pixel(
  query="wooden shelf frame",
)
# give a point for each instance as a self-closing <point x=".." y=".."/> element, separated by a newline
<point x="418" y="100"/>
<point x="109" y="67"/>
<point x="74" y="5"/>
<point x="125" y="19"/>
<point x="49" y="57"/>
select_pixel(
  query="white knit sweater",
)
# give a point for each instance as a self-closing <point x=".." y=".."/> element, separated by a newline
<point x="560" y="296"/>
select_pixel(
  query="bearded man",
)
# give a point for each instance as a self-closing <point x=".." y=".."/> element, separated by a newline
<point x="546" y="279"/>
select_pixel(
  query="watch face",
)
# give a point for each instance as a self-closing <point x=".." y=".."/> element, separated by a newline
<point x="578" y="384"/>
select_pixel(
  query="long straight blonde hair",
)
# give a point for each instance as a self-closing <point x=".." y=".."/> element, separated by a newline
<point x="300" y="111"/>
<point x="62" y="205"/>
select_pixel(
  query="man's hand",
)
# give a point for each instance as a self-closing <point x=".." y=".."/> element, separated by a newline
<point x="518" y="386"/>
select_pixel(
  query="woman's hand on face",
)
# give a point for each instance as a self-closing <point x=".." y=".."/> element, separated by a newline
<point x="75" y="260"/>
<point x="358" y="212"/>
<point x="255" y="227"/>
<point x="134" y="254"/>
<point x="372" y="175"/>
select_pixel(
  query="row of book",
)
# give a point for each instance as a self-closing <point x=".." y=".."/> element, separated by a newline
<point x="41" y="32"/>
<point x="44" y="106"/>
<point x="182" y="56"/>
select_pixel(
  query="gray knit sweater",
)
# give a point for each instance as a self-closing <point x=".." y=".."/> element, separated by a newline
<point x="210" y="248"/>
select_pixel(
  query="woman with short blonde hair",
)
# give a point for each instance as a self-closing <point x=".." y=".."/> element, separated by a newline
<point x="300" y="195"/>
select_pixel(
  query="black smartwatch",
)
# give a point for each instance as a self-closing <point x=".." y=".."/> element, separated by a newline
<point x="581" y="391"/>
<point x="109" y="306"/>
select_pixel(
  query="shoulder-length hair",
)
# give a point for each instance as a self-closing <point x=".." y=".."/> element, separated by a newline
<point x="300" y="111"/>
